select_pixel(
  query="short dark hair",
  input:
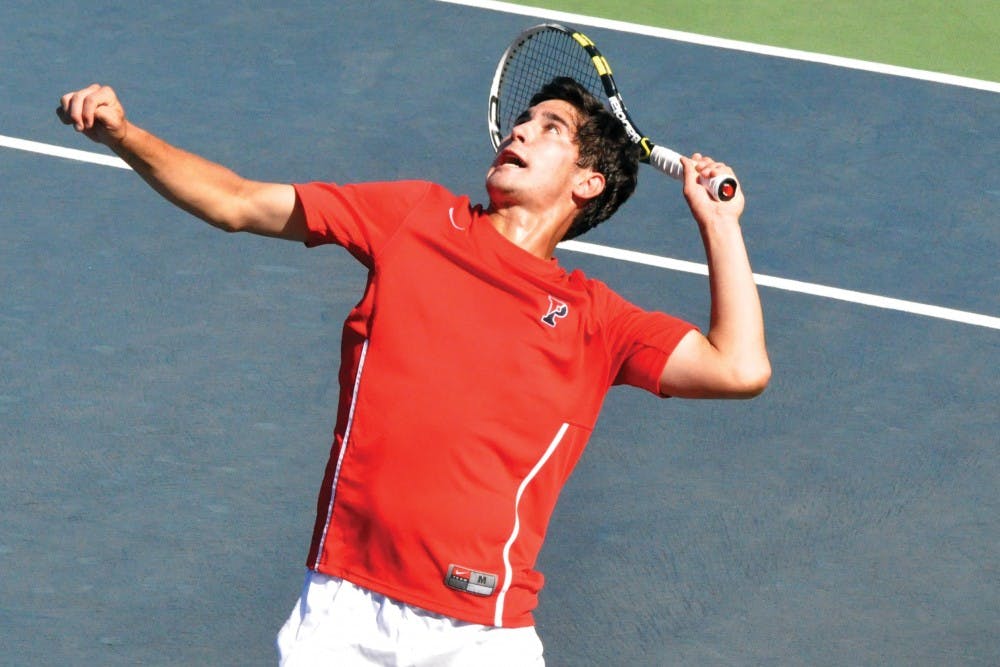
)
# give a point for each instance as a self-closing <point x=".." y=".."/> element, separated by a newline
<point x="604" y="147"/>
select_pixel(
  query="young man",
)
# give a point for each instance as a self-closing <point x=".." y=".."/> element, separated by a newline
<point x="473" y="370"/>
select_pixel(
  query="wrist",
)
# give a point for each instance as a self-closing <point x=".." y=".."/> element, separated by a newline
<point x="720" y="224"/>
<point x="118" y="140"/>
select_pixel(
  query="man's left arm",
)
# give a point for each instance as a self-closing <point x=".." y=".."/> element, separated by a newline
<point x="730" y="361"/>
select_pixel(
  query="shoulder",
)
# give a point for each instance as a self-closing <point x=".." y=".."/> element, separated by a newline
<point x="602" y="297"/>
<point x="621" y="317"/>
<point x="372" y="199"/>
<point x="412" y="189"/>
<point x="412" y="195"/>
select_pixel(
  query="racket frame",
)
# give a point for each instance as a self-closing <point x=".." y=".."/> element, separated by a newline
<point x="721" y="188"/>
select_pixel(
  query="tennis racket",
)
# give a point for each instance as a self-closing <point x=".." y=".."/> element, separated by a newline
<point x="546" y="51"/>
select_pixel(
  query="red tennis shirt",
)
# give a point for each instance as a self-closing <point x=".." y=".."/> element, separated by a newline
<point x="472" y="374"/>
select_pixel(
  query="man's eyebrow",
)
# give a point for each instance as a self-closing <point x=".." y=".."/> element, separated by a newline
<point x="551" y="116"/>
<point x="557" y="118"/>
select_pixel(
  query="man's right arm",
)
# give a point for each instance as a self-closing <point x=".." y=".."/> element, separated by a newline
<point x="208" y="190"/>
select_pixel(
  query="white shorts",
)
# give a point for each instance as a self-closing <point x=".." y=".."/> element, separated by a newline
<point x="338" y="623"/>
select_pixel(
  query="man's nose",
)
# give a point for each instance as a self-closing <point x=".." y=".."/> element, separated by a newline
<point x="521" y="132"/>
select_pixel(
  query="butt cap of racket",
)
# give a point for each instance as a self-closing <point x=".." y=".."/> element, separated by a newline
<point x="722" y="188"/>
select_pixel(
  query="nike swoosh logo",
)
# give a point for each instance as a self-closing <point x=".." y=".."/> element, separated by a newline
<point x="451" y="218"/>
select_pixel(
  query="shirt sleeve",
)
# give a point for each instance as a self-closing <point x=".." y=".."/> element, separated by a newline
<point x="642" y="341"/>
<point x="360" y="217"/>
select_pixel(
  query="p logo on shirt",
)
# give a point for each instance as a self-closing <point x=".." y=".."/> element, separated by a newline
<point x="557" y="310"/>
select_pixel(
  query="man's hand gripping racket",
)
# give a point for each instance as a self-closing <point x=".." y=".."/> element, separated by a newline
<point x="546" y="51"/>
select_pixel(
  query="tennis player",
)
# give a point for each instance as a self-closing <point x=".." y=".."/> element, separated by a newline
<point x="473" y="369"/>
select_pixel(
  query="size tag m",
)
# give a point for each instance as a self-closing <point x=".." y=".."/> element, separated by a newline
<point x="470" y="581"/>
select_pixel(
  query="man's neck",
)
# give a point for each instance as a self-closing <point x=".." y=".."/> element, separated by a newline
<point x="536" y="234"/>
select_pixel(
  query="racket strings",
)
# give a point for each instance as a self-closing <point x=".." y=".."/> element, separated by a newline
<point x="540" y="58"/>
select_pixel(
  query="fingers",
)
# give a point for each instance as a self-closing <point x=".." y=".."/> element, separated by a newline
<point x="91" y="108"/>
<point x="77" y="108"/>
<point x="707" y="167"/>
<point x="701" y="169"/>
<point x="699" y="172"/>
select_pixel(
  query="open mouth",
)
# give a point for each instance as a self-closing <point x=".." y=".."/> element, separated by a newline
<point x="510" y="158"/>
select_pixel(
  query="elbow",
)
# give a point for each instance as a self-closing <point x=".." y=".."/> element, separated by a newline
<point x="229" y="226"/>
<point x="227" y="221"/>
<point x="217" y="217"/>
<point x="233" y="213"/>
<point x="753" y="380"/>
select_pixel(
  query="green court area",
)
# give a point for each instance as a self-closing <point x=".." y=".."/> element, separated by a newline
<point x="957" y="37"/>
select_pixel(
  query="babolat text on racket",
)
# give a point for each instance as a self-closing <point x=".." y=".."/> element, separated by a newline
<point x="543" y="52"/>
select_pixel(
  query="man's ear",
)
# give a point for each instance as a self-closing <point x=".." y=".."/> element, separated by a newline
<point x="589" y="185"/>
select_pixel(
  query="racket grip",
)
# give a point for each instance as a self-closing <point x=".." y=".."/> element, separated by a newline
<point x="721" y="188"/>
<point x="667" y="161"/>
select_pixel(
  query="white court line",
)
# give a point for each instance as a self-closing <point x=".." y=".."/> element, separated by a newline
<point x="59" y="151"/>
<point x="792" y="285"/>
<point x="623" y="255"/>
<point x="736" y="45"/>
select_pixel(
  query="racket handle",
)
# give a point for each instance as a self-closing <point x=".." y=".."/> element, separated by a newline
<point x="722" y="188"/>
<point x="667" y="161"/>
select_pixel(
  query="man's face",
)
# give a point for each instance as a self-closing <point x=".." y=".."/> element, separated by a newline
<point x="536" y="165"/>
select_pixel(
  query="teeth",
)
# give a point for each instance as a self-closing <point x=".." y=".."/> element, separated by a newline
<point x="512" y="159"/>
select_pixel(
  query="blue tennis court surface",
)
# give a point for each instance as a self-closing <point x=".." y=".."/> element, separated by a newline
<point x="167" y="392"/>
